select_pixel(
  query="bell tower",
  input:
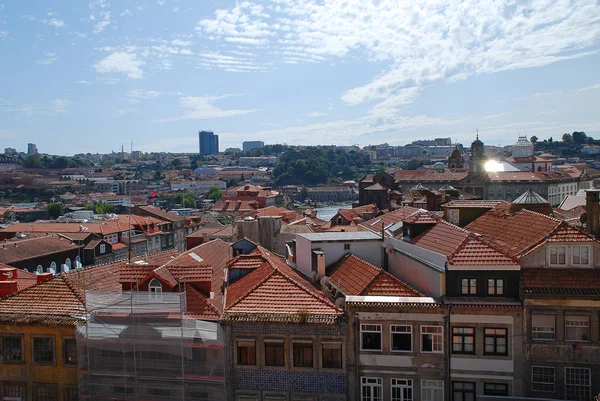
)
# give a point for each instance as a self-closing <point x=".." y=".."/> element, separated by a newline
<point x="477" y="157"/>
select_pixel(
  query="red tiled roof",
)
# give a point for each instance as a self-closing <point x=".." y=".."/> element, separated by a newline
<point x="191" y="273"/>
<point x="275" y="291"/>
<point x="199" y="306"/>
<point x="473" y="204"/>
<point x="103" y="228"/>
<point x="527" y="176"/>
<point x="389" y="218"/>
<point x="514" y="233"/>
<point x="475" y="251"/>
<point x="443" y="238"/>
<point x="568" y="281"/>
<point x="232" y="206"/>
<point x="429" y="175"/>
<point x="354" y="276"/>
<point x="161" y="214"/>
<point x="18" y="250"/>
<point x="24" y="278"/>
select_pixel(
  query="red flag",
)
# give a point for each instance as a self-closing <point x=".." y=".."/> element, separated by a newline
<point x="153" y="194"/>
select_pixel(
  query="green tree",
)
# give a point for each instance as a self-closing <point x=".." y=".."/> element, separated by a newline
<point x="32" y="161"/>
<point x="567" y="138"/>
<point x="534" y="139"/>
<point x="214" y="193"/>
<point x="55" y="210"/>
<point x="304" y="192"/>
<point x="579" y="137"/>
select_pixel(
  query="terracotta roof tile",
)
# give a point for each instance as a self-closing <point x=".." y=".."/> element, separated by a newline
<point x="429" y="175"/>
<point x="443" y="238"/>
<point x="476" y="251"/>
<point x="554" y="281"/>
<point x="15" y="251"/>
<point x="161" y="214"/>
<point x="354" y="276"/>
<point x="473" y="204"/>
<point x="389" y="218"/>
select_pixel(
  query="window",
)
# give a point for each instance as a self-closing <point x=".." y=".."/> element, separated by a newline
<point x="77" y="262"/>
<point x="542" y="379"/>
<point x="581" y="255"/>
<point x="155" y="288"/>
<point x="469" y="286"/>
<point x="102" y="248"/>
<point x="12" y="349"/>
<point x="463" y="391"/>
<point x="53" y="267"/>
<point x="578" y="383"/>
<point x="558" y="255"/>
<point x="371" y="389"/>
<point x="495" y="341"/>
<point x="274" y="353"/>
<point x="303" y="354"/>
<point x="495" y="286"/>
<point x="495" y="389"/>
<point x="370" y="338"/>
<point x="39" y="269"/>
<point x="44" y="393"/>
<point x="402" y="390"/>
<point x="401" y="338"/>
<point x="542" y="326"/>
<point x="346" y="247"/>
<point x="43" y="349"/>
<point x="463" y="340"/>
<point x="432" y="390"/>
<point x="69" y="351"/>
<point x="70" y="394"/>
<point x="16" y="390"/>
<point x="332" y="355"/>
<point x="246" y="352"/>
<point x="577" y="328"/>
<point x="431" y="338"/>
<point x="508" y="190"/>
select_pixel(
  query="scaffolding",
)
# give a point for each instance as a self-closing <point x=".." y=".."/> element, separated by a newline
<point x="141" y="346"/>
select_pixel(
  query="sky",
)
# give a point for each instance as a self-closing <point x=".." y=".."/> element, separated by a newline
<point x="85" y="76"/>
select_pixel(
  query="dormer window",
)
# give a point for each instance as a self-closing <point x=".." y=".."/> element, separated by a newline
<point x="339" y="220"/>
<point x="155" y="289"/>
<point x="581" y="255"/>
<point x="558" y="255"/>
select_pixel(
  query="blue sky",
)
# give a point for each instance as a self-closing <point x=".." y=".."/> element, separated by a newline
<point x="90" y="76"/>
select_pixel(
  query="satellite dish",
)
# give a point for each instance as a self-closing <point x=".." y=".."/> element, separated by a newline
<point x="389" y="249"/>
<point x="324" y="281"/>
<point x="340" y="303"/>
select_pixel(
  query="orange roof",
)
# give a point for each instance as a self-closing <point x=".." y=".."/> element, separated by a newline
<point x="103" y="228"/>
<point x="514" y="233"/>
<point x="528" y="176"/>
<point x="443" y="238"/>
<point x="569" y="281"/>
<point x="24" y="278"/>
<point x="475" y="251"/>
<point x="18" y="250"/>
<point x="390" y="218"/>
<point x="473" y="204"/>
<point x="354" y="276"/>
<point x="276" y="292"/>
<point x="429" y="175"/>
<point x="161" y="214"/>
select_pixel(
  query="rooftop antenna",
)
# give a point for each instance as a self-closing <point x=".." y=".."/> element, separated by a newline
<point x="477" y="130"/>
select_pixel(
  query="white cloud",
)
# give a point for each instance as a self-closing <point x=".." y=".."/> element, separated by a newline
<point x="182" y="43"/>
<point x="84" y="82"/>
<point x="142" y="94"/>
<point x="3" y="34"/>
<point x="29" y="17"/>
<point x="420" y="42"/>
<point x="316" y="114"/>
<point x="161" y="2"/>
<point x="98" y="3"/>
<point x="5" y="133"/>
<point x="201" y="107"/>
<point x="59" y="106"/>
<point x="103" y="23"/>
<point x="49" y="58"/>
<point x="588" y="88"/>
<point x="55" y="22"/>
<point x="125" y="12"/>
<point x="120" y="63"/>
<point x="175" y="9"/>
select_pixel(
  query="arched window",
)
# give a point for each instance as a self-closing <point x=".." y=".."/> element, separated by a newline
<point x="155" y="288"/>
<point x="39" y="269"/>
<point x="77" y="262"/>
<point x="53" y="267"/>
<point x="68" y="263"/>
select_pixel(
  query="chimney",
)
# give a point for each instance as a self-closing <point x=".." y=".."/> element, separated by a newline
<point x="8" y="287"/>
<point x="318" y="265"/>
<point x="592" y="206"/>
<point x="8" y="274"/>
<point x="41" y="277"/>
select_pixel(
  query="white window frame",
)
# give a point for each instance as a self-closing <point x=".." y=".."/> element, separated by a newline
<point x="394" y="329"/>
<point x="543" y="329"/>
<point x="534" y="383"/>
<point x="404" y="385"/>
<point x="102" y="248"/>
<point x="432" y="390"/>
<point x="583" y="387"/>
<point x="375" y="384"/>
<point x="574" y="320"/>
<point x="439" y="334"/>
<point x="155" y="289"/>
<point x="363" y="329"/>
<point x="579" y="248"/>
<point x="557" y="248"/>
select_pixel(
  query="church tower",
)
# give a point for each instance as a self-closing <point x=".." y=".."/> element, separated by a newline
<point x="477" y="157"/>
<point x="456" y="161"/>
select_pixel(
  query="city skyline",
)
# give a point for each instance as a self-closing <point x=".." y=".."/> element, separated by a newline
<point x="98" y="75"/>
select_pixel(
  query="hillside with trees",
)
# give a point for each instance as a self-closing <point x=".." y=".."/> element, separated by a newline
<point x="569" y="145"/>
<point x="318" y="165"/>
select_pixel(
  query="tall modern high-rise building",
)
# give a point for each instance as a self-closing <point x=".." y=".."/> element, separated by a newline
<point x="209" y="143"/>
<point x="31" y="149"/>
<point x="249" y="145"/>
